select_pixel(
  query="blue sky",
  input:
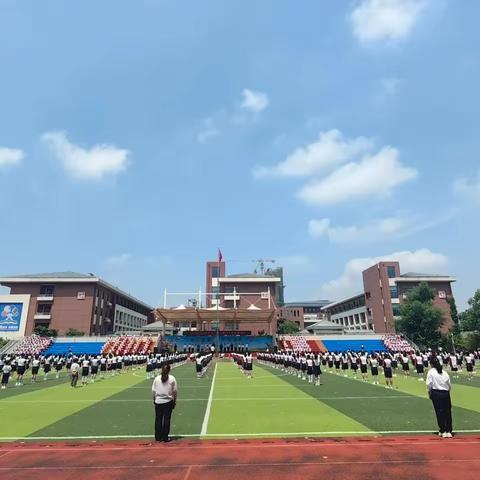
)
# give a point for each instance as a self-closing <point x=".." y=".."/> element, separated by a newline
<point x="137" y="137"/>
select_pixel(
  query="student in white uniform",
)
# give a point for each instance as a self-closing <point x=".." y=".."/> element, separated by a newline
<point x="35" y="368"/>
<point x="85" y="370"/>
<point x="164" y="391"/>
<point x="6" y="369"/>
<point x="438" y="387"/>
<point x="387" y="371"/>
<point x="364" y="366"/>
<point x="94" y="364"/>
<point x="249" y="365"/>
<point x="470" y="362"/>
<point x="374" y="369"/>
<point x="21" y="366"/>
<point x="453" y="360"/>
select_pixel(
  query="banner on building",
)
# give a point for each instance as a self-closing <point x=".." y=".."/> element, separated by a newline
<point x="10" y="316"/>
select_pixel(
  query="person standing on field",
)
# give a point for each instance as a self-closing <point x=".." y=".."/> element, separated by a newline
<point x="164" y="392"/>
<point x="438" y="387"/>
<point x="74" y="370"/>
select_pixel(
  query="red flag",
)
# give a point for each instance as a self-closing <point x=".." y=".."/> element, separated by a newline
<point x="220" y="256"/>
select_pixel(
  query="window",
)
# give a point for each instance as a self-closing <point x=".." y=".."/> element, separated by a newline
<point x="215" y="291"/>
<point x="215" y="272"/>
<point x="45" y="308"/>
<point x="46" y="290"/>
<point x="396" y="310"/>
<point x="391" y="272"/>
<point x="394" y="292"/>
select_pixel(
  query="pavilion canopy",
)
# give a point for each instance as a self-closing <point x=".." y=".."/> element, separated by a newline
<point x="213" y="314"/>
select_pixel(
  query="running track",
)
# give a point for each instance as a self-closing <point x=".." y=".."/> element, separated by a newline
<point x="347" y="458"/>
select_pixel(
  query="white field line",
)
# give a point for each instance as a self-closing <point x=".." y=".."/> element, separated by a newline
<point x="235" y="399"/>
<point x="209" y="404"/>
<point x="241" y="435"/>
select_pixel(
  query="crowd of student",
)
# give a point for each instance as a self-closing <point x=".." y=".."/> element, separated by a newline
<point x="309" y="366"/>
<point x="86" y="367"/>
<point x="202" y="361"/>
<point x="244" y="363"/>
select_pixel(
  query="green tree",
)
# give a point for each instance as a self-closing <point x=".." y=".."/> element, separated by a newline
<point x="286" y="327"/>
<point x="419" y="319"/>
<point x="470" y="318"/>
<point x="72" y="332"/>
<point x="45" y="332"/>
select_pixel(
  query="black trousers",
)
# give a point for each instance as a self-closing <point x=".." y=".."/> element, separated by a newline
<point x="443" y="409"/>
<point x="163" y="414"/>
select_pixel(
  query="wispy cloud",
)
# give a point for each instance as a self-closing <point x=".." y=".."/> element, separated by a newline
<point x="350" y="281"/>
<point x="330" y="150"/>
<point x="94" y="163"/>
<point x="380" y="230"/>
<point x="208" y="130"/>
<point x="374" y="176"/>
<point x="385" y="20"/>
<point x="11" y="157"/>
<point x="254" y="101"/>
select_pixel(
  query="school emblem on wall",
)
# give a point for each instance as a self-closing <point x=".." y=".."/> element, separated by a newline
<point x="10" y="315"/>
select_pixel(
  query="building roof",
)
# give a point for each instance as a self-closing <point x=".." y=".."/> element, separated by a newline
<point x="249" y="275"/>
<point x="58" y="275"/>
<point x="343" y="300"/>
<point x="312" y="303"/>
<point x="69" y="277"/>
<point x="325" y="325"/>
<point x="426" y="277"/>
<point x="414" y="274"/>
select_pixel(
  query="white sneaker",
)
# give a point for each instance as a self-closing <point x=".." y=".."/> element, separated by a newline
<point x="449" y="435"/>
<point x="444" y="435"/>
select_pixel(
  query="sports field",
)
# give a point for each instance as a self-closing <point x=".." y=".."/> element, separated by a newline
<point x="226" y="404"/>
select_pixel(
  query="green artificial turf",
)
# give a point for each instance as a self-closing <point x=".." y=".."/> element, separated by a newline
<point x="271" y="404"/>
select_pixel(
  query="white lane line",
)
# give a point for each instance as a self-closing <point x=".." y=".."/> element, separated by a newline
<point x="223" y="399"/>
<point x="209" y="404"/>
<point x="241" y="435"/>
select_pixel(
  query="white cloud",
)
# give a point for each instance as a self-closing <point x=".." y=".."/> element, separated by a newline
<point x="254" y="101"/>
<point x="385" y="20"/>
<point x="119" y="259"/>
<point x="294" y="262"/>
<point x="350" y="281"/>
<point x="331" y="149"/>
<point x="10" y="157"/>
<point x="470" y="189"/>
<point x="374" y="176"/>
<point x="208" y="130"/>
<point x="87" y="164"/>
<point x="393" y="227"/>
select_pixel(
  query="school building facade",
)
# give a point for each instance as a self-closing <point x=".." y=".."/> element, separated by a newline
<point x="69" y="300"/>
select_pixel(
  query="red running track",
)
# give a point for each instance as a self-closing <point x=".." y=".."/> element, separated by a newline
<point x="347" y="458"/>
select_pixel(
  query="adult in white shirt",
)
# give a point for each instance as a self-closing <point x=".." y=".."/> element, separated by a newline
<point x="164" y="392"/>
<point x="74" y="371"/>
<point x="439" y="386"/>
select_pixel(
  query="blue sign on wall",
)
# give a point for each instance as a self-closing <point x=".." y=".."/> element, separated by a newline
<point x="10" y="316"/>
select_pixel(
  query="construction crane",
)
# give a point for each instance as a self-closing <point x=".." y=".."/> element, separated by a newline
<point x="261" y="264"/>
